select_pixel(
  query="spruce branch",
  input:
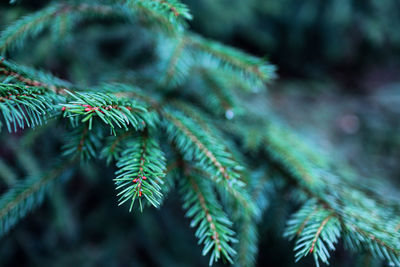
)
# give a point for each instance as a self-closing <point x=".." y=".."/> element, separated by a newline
<point x="339" y="206"/>
<point x="22" y="105"/>
<point x="168" y="14"/>
<point x="247" y="247"/>
<point x="27" y="195"/>
<point x="379" y="245"/>
<point x="304" y="167"/>
<point x="210" y="156"/>
<point x="32" y="25"/>
<point x="316" y="229"/>
<point x="82" y="143"/>
<point x="220" y="98"/>
<point x="201" y="148"/>
<point x="62" y="27"/>
<point x="202" y="119"/>
<point x="249" y="67"/>
<point x="151" y="100"/>
<point x="336" y="212"/>
<point x="259" y="188"/>
<point x="8" y="175"/>
<point x="113" y="111"/>
<point x="237" y="191"/>
<point x="178" y="60"/>
<point x="210" y="126"/>
<point x="32" y="77"/>
<point x="115" y="144"/>
<point x="214" y="228"/>
<point x="141" y="170"/>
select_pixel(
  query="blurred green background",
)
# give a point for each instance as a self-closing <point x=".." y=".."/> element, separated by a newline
<point x="339" y="85"/>
<point x="338" y="65"/>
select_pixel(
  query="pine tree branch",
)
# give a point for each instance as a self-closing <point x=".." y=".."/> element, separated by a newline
<point x="82" y="139"/>
<point x="177" y="64"/>
<point x="307" y="219"/>
<point x="172" y="6"/>
<point x="237" y="191"/>
<point x="247" y="248"/>
<point x="82" y="143"/>
<point x="205" y="151"/>
<point x="333" y="196"/>
<point x="210" y="220"/>
<point x="141" y="169"/>
<point x="32" y="25"/>
<point x="251" y="67"/>
<point x="21" y="105"/>
<point x="374" y="238"/>
<point x="397" y="228"/>
<point x="33" y="77"/>
<point x="114" y="147"/>
<point x="113" y="111"/>
<point x="318" y="233"/>
<point x="198" y="116"/>
<point x="213" y="225"/>
<point x="220" y="98"/>
<point x="169" y="14"/>
<point x="27" y="195"/>
<point x="7" y="174"/>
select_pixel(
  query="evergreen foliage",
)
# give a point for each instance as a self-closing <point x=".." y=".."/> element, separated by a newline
<point x="22" y="105"/>
<point x="186" y="105"/>
<point x="27" y="195"/>
<point x="141" y="169"/>
<point x="111" y="110"/>
<point x="213" y="226"/>
<point x="331" y="33"/>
